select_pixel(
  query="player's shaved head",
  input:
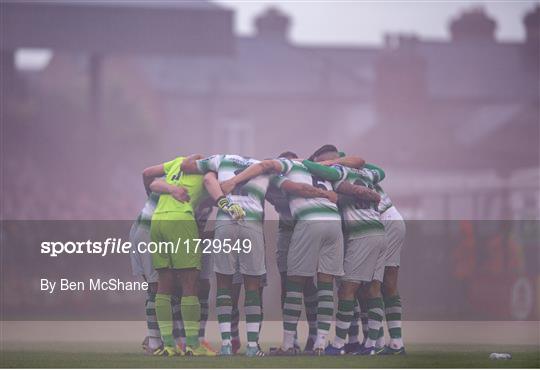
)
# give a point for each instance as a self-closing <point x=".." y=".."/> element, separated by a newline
<point x="288" y="155"/>
<point x="325" y="152"/>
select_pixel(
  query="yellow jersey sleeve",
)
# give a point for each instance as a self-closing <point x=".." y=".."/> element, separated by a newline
<point x="167" y="166"/>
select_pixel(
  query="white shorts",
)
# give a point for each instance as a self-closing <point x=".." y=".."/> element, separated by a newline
<point x="394" y="227"/>
<point x="141" y="263"/>
<point x="252" y="263"/>
<point x="238" y="278"/>
<point x="364" y="258"/>
<point x="316" y="246"/>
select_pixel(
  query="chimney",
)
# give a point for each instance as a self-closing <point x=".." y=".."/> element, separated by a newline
<point x="473" y="25"/>
<point x="532" y="27"/>
<point x="273" y="25"/>
<point x="401" y="79"/>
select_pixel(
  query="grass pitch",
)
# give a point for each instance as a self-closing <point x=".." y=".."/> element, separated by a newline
<point x="94" y="355"/>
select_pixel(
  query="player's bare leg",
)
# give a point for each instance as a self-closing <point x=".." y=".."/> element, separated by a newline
<point x="393" y="309"/>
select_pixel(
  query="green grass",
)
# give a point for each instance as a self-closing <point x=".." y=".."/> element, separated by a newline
<point x="115" y="356"/>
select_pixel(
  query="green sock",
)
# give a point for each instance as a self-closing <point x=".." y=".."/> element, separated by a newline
<point x="344" y="317"/>
<point x="375" y="318"/>
<point x="393" y="316"/>
<point x="364" y="319"/>
<point x="292" y="307"/>
<point x="235" y="320"/>
<point x="191" y="313"/>
<point x="203" y="300"/>
<point x="354" y="329"/>
<point x="151" y="320"/>
<point x="164" y="318"/>
<point x="262" y="319"/>
<point x="325" y="307"/>
<point x="178" y="331"/>
<point x="224" y="312"/>
<point x="310" y="303"/>
<point x="252" y="308"/>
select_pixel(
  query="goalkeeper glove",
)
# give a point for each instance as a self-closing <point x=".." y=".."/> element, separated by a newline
<point x="234" y="210"/>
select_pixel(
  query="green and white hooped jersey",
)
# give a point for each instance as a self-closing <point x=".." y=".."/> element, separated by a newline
<point x="145" y="217"/>
<point x="309" y="208"/>
<point x="249" y="195"/>
<point x="361" y="217"/>
<point x="385" y="202"/>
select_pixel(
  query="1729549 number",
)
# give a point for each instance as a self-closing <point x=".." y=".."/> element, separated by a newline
<point x="208" y="246"/>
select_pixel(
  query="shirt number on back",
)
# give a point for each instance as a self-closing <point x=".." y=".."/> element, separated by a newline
<point x="178" y="176"/>
<point x="319" y="183"/>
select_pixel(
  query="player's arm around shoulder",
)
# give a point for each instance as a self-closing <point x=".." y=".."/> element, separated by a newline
<point x="266" y="166"/>
<point x="221" y="201"/>
<point x="347" y="161"/>
<point x="150" y="174"/>
<point x="358" y="192"/>
<point x="306" y="191"/>
<point x="323" y="171"/>
<point x="160" y="186"/>
<point x="190" y="165"/>
<point x="212" y="186"/>
<point x="153" y="183"/>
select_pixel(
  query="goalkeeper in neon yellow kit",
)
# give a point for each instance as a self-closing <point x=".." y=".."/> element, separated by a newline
<point x="174" y="221"/>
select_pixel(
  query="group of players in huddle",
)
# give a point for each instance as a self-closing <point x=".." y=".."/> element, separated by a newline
<point x="337" y="226"/>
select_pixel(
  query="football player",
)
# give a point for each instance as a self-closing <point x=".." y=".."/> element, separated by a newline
<point x="249" y="195"/>
<point x="394" y="227"/>
<point x="173" y="222"/>
<point x="316" y="246"/>
<point x="280" y="200"/>
<point x="364" y="250"/>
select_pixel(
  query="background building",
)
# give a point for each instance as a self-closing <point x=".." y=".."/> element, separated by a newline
<point x="455" y="124"/>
